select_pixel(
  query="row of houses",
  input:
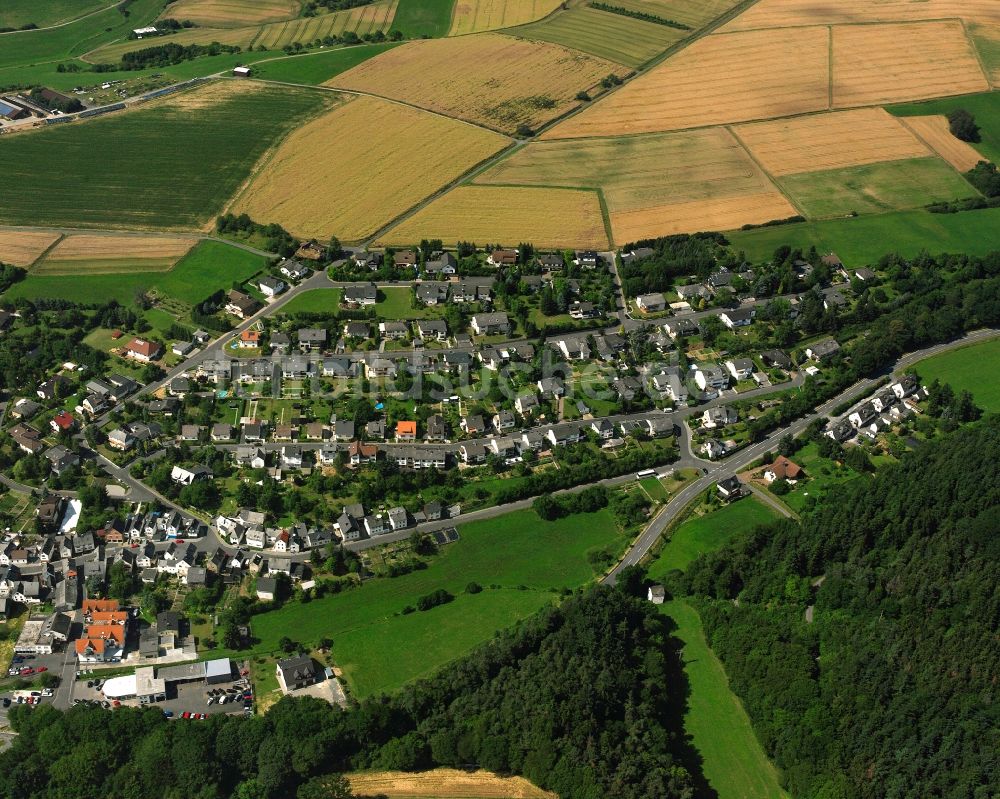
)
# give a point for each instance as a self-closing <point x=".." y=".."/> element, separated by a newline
<point x="878" y="414"/>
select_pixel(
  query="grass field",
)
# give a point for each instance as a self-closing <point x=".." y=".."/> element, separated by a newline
<point x="874" y="188"/>
<point x="507" y="215"/>
<point x="313" y="301"/>
<point x="615" y="37"/>
<point x="784" y="13"/>
<point x="20" y="248"/>
<point x="639" y="175"/>
<point x="864" y="240"/>
<point x="91" y="255"/>
<point x="210" y="266"/>
<point x="316" y="68"/>
<point x="517" y="558"/>
<point x="272" y="36"/>
<point x="733" y="761"/>
<point x="823" y="474"/>
<point x="67" y="41"/>
<point x="223" y="13"/>
<point x="487" y="78"/>
<point x="136" y="168"/>
<point x="474" y="16"/>
<point x="417" y="18"/>
<point x="15" y="13"/>
<point x="985" y="108"/>
<point x="971" y="368"/>
<point x="388" y="158"/>
<point x="987" y="41"/>
<point x="444" y="783"/>
<point x="718" y="79"/>
<point x="707" y="533"/>
<point x="905" y="61"/>
<point x="829" y="141"/>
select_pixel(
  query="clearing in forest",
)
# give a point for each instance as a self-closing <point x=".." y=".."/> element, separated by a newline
<point x="474" y="16"/>
<point x="639" y="174"/>
<point x="444" y="783"/>
<point x="829" y="141"/>
<point x="381" y="157"/>
<point x="875" y="64"/>
<point x="226" y="13"/>
<point x="718" y="79"/>
<point x="784" y="13"/>
<point x="19" y="248"/>
<point x="934" y="130"/>
<point x="93" y="254"/>
<point x="508" y="215"/>
<point x="487" y="78"/>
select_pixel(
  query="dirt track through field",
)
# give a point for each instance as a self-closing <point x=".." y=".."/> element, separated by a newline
<point x="829" y="141"/>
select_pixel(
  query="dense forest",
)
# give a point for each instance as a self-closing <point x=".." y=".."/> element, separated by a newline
<point x="891" y="691"/>
<point x="579" y="699"/>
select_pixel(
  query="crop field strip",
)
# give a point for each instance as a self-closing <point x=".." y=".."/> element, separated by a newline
<point x="987" y="41"/>
<point x="487" y="78"/>
<point x="718" y="214"/>
<point x="361" y="20"/>
<point x="475" y="16"/>
<point x="232" y="13"/>
<point x="875" y="188"/>
<point x="615" y="37"/>
<point x="639" y="175"/>
<point x="136" y="169"/>
<point x="388" y="158"/>
<point x="23" y="248"/>
<point x="444" y="783"/>
<point x="895" y="62"/>
<point x="98" y="254"/>
<point x="547" y="217"/>
<point x="934" y="131"/>
<point x="795" y="13"/>
<point x="829" y="141"/>
<point x="718" y="79"/>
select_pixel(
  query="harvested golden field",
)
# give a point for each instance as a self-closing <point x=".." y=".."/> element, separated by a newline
<point x="933" y="130"/>
<point x="829" y="141"/>
<point x="22" y="249"/>
<point x="637" y="173"/>
<point x="381" y="157"/>
<point x="693" y="13"/>
<point x="875" y="64"/>
<point x="783" y="13"/>
<point x="736" y="77"/>
<point x="508" y="215"/>
<point x="728" y="213"/>
<point x="473" y="16"/>
<point x="232" y="13"/>
<point x="93" y="254"/>
<point x="494" y="80"/>
<point x="444" y="783"/>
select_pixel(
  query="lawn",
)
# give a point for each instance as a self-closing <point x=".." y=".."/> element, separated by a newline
<point x="397" y="304"/>
<point x="314" y="301"/>
<point x="823" y="474"/>
<point x="707" y="533"/>
<point x="423" y="18"/>
<point x="517" y="558"/>
<point x="315" y="68"/>
<point x="210" y="266"/>
<point x="16" y="13"/>
<point x="865" y="239"/>
<point x="733" y="761"/>
<point x="172" y="164"/>
<point x="874" y="188"/>
<point x="654" y="488"/>
<point x="984" y="107"/>
<point x="964" y="369"/>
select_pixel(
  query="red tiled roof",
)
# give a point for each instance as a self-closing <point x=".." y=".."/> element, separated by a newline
<point x="142" y="347"/>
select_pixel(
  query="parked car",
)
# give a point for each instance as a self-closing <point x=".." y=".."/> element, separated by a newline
<point x="40" y="669"/>
<point x="185" y="715"/>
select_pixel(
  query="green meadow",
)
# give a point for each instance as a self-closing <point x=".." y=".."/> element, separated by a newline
<point x="316" y="68"/>
<point x="520" y="561"/>
<point x="416" y="19"/>
<point x="15" y="13"/>
<point x="165" y="165"/>
<point x="975" y="368"/>
<point x="314" y="301"/>
<point x="984" y="107"/>
<point x="863" y="240"/>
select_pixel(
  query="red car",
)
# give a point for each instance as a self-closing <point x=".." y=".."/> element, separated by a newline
<point x="186" y="715"/>
<point x="40" y="669"/>
<point x="116" y="703"/>
<point x="25" y="672"/>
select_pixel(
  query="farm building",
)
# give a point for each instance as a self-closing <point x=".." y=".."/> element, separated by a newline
<point x="10" y="111"/>
<point x="241" y="72"/>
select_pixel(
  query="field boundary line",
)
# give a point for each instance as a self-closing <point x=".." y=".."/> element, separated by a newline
<point x="933" y="151"/>
<point x="605" y="216"/>
<point x="855" y="24"/>
<point x="979" y="56"/>
<point x="829" y="68"/>
<point x="44" y="254"/>
<point x="774" y="182"/>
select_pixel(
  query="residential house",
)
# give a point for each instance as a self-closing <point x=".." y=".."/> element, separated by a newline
<point x="563" y="434"/>
<point x="251" y="456"/>
<point x="588" y="259"/>
<point x="240" y="304"/>
<point x="62" y="422"/>
<point x="473" y="425"/>
<point x="710" y="377"/>
<point x="249" y="339"/>
<point x="669" y="383"/>
<point x="291" y="456"/>
<point x="297" y="672"/>
<point x="437" y="428"/>
<point x="719" y="416"/>
<point x="729" y="487"/>
<point x="526" y="404"/>
<point x="781" y="468"/>
<point x="486" y="324"/>
<point x="142" y="350"/>
<point x="185" y="476"/>
<point x="432" y="329"/>
<point x="737" y="317"/>
<point x="406" y="431"/>
<point x="271" y="286"/>
<point x="740" y="368"/>
<point x="360" y="296"/>
<point x="360" y="454"/>
<point x="393" y="330"/>
<point x="311" y="338"/>
<point x="357" y="330"/>
<point x="776" y="358"/>
<point x="651" y="303"/>
<point x="472" y="452"/>
<point x="502" y="258"/>
<point x="551" y="387"/>
<point x="222" y="431"/>
<point x="681" y="327"/>
<point x="822" y="350"/>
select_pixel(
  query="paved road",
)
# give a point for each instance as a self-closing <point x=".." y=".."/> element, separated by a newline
<point x="744" y="457"/>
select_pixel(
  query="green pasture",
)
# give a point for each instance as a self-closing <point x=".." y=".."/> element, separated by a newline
<point x="15" y="13"/>
<point x="975" y="368"/>
<point x="314" y="301"/>
<point x="875" y="188"/>
<point x="316" y="68"/>
<point x="984" y="107"/>
<point x="416" y="19"/>
<point x="864" y="239"/>
<point x="161" y="166"/>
